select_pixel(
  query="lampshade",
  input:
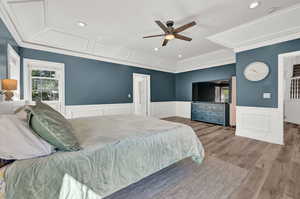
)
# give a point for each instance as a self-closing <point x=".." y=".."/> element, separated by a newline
<point x="9" y="84"/>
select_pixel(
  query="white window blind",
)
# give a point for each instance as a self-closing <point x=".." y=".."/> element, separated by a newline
<point x="295" y="83"/>
<point x="296" y="70"/>
<point x="295" y="88"/>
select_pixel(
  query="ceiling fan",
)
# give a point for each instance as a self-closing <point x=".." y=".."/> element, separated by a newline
<point x="172" y="33"/>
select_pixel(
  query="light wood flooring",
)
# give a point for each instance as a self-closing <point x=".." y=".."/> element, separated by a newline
<point x="274" y="170"/>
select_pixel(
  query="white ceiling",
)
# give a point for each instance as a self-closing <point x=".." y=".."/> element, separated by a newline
<point x="281" y="26"/>
<point x="115" y="28"/>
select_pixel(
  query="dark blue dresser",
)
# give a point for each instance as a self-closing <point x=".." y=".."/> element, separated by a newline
<point x="216" y="113"/>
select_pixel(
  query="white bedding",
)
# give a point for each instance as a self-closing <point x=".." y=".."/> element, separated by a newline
<point x="117" y="151"/>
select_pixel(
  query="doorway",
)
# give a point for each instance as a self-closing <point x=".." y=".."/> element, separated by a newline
<point x="141" y="94"/>
<point x="289" y="87"/>
<point x="292" y="89"/>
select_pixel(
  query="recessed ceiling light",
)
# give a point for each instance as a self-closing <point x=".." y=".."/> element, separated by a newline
<point x="156" y="49"/>
<point x="179" y="56"/>
<point x="81" y="24"/>
<point x="254" y="4"/>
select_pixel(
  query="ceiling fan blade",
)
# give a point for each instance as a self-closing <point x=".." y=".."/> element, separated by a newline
<point x="162" y="26"/>
<point x="165" y="42"/>
<point x="161" y="35"/>
<point x="184" y="27"/>
<point x="182" y="37"/>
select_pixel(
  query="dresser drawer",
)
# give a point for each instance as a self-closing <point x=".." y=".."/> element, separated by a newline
<point x="210" y="112"/>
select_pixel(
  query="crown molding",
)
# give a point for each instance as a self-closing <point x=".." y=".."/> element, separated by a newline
<point x="282" y="26"/>
<point x="269" y="42"/>
<point x="164" y="65"/>
<point x="208" y="60"/>
<point x="90" y="56"/>
<point x="10" y="26"/>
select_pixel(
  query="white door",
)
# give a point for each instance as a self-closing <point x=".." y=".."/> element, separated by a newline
<point x="141" y="94"/>
<point x="45" y="82"/>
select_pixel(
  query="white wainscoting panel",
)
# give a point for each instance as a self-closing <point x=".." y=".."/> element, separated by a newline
<point x="183" y="109"/>
<point x="98" y="110"/>
<point x="158" y="109"/>
<point x="260" y="123"/>
<point x="163" y="109"/>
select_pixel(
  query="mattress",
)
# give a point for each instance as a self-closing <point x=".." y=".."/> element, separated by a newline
<point x="117" y="151"/>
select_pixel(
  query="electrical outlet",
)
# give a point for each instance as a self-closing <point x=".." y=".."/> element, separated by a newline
<point x="267" y="95"/>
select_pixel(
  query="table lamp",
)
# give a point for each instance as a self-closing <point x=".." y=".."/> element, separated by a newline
<point x="9" y="85"/>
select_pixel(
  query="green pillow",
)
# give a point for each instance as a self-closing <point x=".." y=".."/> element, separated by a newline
<point x="52" y="127"/>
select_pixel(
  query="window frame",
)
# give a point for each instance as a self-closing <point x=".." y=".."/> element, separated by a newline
<point x="59" y="68"/>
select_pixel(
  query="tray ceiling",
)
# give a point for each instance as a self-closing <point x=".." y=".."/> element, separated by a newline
<point x="115" y="28"/>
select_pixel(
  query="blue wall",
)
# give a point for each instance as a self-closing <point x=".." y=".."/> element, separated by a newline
<point x="250" y="93"/>
<point x="96" y="82"/>
<point x="184" y="80"/>
<point x="5" y="38"/>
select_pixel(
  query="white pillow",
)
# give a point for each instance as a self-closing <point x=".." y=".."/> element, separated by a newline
<point x="18" y="141"/>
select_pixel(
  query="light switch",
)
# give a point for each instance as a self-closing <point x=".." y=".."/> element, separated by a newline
<point x="267" y="95"/>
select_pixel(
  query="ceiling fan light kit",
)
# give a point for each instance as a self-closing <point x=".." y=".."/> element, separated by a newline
<point x="170" y="37"/>
<point x="172" y="33"/>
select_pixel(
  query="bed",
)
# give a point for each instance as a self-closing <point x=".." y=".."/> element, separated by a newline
<point x="116" y="151"/>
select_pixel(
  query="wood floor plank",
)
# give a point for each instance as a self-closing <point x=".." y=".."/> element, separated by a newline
<point x="292" y="189"/>
<point x="269" y="155"/>
<point x="274" y="170"/>
<point x="296" y="147"/>
<point x="274" y="185"/>
<point x="222" y="141"/>
<point x="207" y="130"/>
<point x="250" y="155"/>
<point x="251" y="185"/>
<point x="233" y="150"/>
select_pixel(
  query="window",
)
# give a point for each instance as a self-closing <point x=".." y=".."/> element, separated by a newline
<point x="44" y="81"/>
<point x="295" y="88"/>
<point x="222" y="94"/>
<point x="296" y="70"/>
<point x="225" y="94"/>
<point x="45" y="85"/>
<point x="295" y="83"/>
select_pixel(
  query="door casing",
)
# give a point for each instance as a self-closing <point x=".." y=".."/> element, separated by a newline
<point x="148" y="93"/>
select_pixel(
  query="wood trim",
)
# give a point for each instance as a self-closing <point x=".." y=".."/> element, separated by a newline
<point x="233" y="102"/>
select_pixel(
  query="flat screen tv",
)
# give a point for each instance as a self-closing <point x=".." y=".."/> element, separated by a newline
<point x="214" y="91"/>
